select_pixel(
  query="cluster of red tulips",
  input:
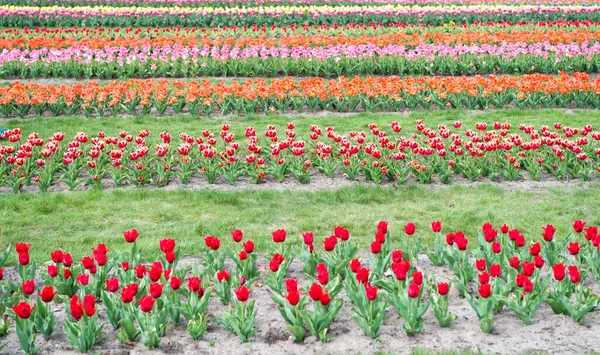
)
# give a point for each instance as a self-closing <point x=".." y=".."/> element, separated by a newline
<point x="492" y="151"/>
<point x="140" y="300"/>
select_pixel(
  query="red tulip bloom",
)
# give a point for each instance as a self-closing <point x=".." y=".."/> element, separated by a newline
<point x="146" y="303"/>
<point x="574" y="274"/>
<point x="436" y="226"/>
<point x="67" y="274"/>
<point x="514" y="262"/>
<point x="380" y="238"/>
<point x="129" y="292"/>
<point x="167" y="245"/>
<point x="83" y="279"/>
<point x="443" y="288"/>
<point x="140" y="271"/>
<point x="170" y="257"/>
<point x="57" y="256"/>
<point x="513" y="234"/>
<point x="591" y="233"/>
<point x="559" y="271"/>
<point x="47" y="294"/>
<point x="76" y="308"/>
<point x="325" y="299"/>
<point x="489" y="233"/>
<point x="223" y="276"/>
<point x="504" y="228"/>
<point x="354" y="265"/>
<point x="125" y="265"/>
<point x="341" y="233"/>
<point x="156" y="290"/>
<point x="371" y="292"/>
<point x="527" y="285"/>
<point x="495" y="270"/>
<point x="484" y="278"/>
<point x="520" y="241"/>
<point x="315" y="292"/>
<point x="329" y="243"/>
<point x="574" y="248"/>
<point x="293" y="297"/>
<point x="528" y="268"/>
<point x="400" y="271"/>
<point x="22" y="248"/>
<point x="462" y="243"/>
<point x="308" y="238"/>
<point x="410" y="228"/>
<point x="396" y="256"/>
<point x="87" y="262"/>
<point x="450" y="238"/>
<point x="52" y="271"/>
<point x="112" y="284"/>
<point x="23" y="310"/>
<point x="578" y="226"/>
<point x="375" y="247"/>
<point x="279" y="236"/>
<point x="322" y="274"/>
<point x="535" y="249"/>
<point x="23" y="258"/>
<point x="194" y="284"/>
<point x="237" y="235"/>
<point x="28" y="287"/>
<point x="496" y="247"/>
<point x="155" y="271"/>
<point x="2" y="273"/>
<point x="362" y="274"/>
<point x="481" y="264"/>
<point x="242" y="255"/>
<point x="382" y="227"/>
<point x="249" y="247"/>
<point x="242" y="293"/>
<point x="485" y="290"/>
<point x="131" y="235"/>
<point x="538" y="260"/>
<point x="291" y="285"/>
<point x="212" y="242"/>
<point x="414" y="290"/>
<point x="548" y="233"/>
<point x="175" y="283"/>
<point x="417" y="278"/>
<point x="89" y="305"/>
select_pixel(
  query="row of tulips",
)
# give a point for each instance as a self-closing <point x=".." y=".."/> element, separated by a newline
<point x="141" y="300"/>
<point x="129" y="38"/>
<point x="315" y="94"/>
<point x="254" y="3"/>
<point x="491" y="152"/>
<point x="364" y="59"/>
<point x="20" y="16"/>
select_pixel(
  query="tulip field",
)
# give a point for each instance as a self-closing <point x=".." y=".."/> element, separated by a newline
<point x="292" y="177"/>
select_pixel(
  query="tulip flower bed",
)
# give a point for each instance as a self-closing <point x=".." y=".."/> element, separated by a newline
<point x="371" y="94"/>
<point x="399" y="282"/>
<point x="283" y="15"/>
<point x="495" y="152"/>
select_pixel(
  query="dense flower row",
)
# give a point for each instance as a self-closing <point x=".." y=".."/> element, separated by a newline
<point x="140" y="301"/>
<point x="128" y="38"/>
<point x="364" y="59"/>
<point x="282" y="95"/>
<point x="285" y="15"/>
<point x="445" y="152"/>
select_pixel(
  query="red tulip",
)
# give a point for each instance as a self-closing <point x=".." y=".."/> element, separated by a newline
<point x="131" y="235"/>
<point x="28" y="287"/>
<point x="112" y="284"/>
<point x="156" y="290"/>
<point x="194" y="284"/>
<point x="243" y="255"/>
<point x="380" y="237"/>
<point x="462" y="243"/>
<point x="591" y="233"/>
<point x="47" y="294"/>
<point x="279" y="236"/>
<point x="485" y="290"/>
<point x="293" y="297"/>
<point x="249" y="247"/>
<point x="322" y="274"/>
<point x="548" y="234"/>
<point x="514" y="262"/>
<point x="167" y="245"/>
<point x="396" y="256"/>
<point x="237" y="235"/>
<point x="341" y="233"/>
<point x="325" y="299"/>
<point x="382" y="227"/>
<point x="223" y="275"/>
<point x="125" y="265"/>
<point x="87" y="262"/>
<point x="484" y="278"/>
<point x="481" y="264"/>
<point x="175" y="283"/>
<point x="443" y="288"/>
<point x="489" y="233"/>
<point x="52" y="271"/>
<point x="315" y="292"/>
<point x="535" y="249"/>
<point x="417" y="278"/>
<point x="83" y="279"/>
<point x="2" y="273"/>
<point x="129" y="292"/>
<point x="578" y="226"/>
<point x="170" y="257"/>
<point x="76" y="308"/>
<point x="371" y="292"/>
<point x="504" y="228"/>
<point x="574" y="248"/>
<point x="67" y="274"/>
<point x="527" y="285"/>
<point x="496" y="247"/>
<point x="23" y="310"/>
<point x="146" y="303"/>
<point x="242" y="293"/>
<point x="291" y="285"/>
<point x="155" y="271"/>
<point x="436" y="226"/>
<point x="495" y="270"/>
<point x="67" y="260"/>
<point x="559" y="271"/>
<point x="528" y="268"/>
<point x="89" y="305"/>
<point x="329" y="243"/>
<point x="520" y="241"/>
<point x="414" y="290"/>
<point x="409" y="228"/>
<point x="57" y="256"/>
<point x="538" y="260"/>
<point x="375" y="247"/>
<point x="23" y="258"/>
<point x="140" y="271"/>
<point x="574" y="274"/>
<point x="308" y="238"/>
<point x="354" y="265"/>
<point x="212" y="242"/>
<point x="22" y="248"/>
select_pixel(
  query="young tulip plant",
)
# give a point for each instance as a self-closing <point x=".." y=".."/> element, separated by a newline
<point x="368" y="305"/>
<point x="409" y="304"/>
<point x="483" y="306"/>
<point x="325" y="309"/>
<point x="240" y="317"/>
<point x="278" y="268"/>
<point x="83" y="328"/>
<point x="380" y="251"/>
<point x="436" y="254"/>
<point x="528" y="298"/>
<point x="25" y="327"/>
<point x="439" y="302"/>
<point x="291" y="306"/>
<point x="458" y="260"/>
<point x="43" y="315"/>
<point x="307" y="253"/>
<point x="410" y="247"/>
<point x="213" y="259"/>
<point x="194" y="309"/>
<point x="245" y="260"/>
<point x="338" y="250"/>
<point x="585" y="300"/>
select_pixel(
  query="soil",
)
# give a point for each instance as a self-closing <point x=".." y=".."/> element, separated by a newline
<point x="549" y="333"/>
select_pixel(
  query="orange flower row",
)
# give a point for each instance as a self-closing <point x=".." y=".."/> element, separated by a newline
<point x="293" y="40"/>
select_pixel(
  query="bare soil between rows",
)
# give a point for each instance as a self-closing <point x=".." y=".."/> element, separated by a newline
<point x="549" y="333"/>
<point x="320" y="182"/>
